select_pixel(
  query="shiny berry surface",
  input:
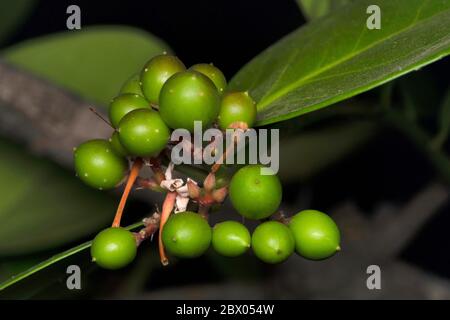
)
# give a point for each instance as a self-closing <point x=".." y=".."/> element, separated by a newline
<point x="316" y="235"/>
<point x="187" y="97"/>
<point x="113" y="248"/>
<point x="123" y="104"/>
<point x="237" y="107"/>
<point x="98" y="165"/>
<point x="186" y="235"/>
<point x="231" y="238"/>
<point x="253" y="195"/>
<point x="143" y="133"/>
<point x="273" y="242"/>
<point x="213" y="73"/>
<point x="156" y="72"/>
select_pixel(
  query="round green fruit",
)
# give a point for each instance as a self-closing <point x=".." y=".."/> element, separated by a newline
<point x="143" y="133"/>
<point x="132" y="86"/>
<point x="255" y="196"/>
<point x="156" y="72"/>
<point x="273" y="242"/>
<point x="230" y="238"/>
<point x="187" y="97"/>
<point x="117" y="146"/>
<point x="213" y="73"/>
<point x="316" y="235"/>
<point x="237" y="107"/>
<point x="123" y="104"/>
<point x="186" y="235"/>
<point x="113" y="248"/>
<point x="98" y="165"/>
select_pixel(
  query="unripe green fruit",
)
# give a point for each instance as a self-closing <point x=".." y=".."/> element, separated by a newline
<point x="230" y="238"/>
<point x="143" y="133"/>
<point x="186" y="235"/>
<point x="132" y="86"/>
<point x="187" y="97"/>
<point x="98" y="165"/>
<point x="156" y="72"/>
<point x="273" y="242"/>
<point x="316" y="235"/>
<point x="253" y="195"/>
<point x="237" y="107"/>
<point x="213" y="73"/>
<point x="113" y="248"/>
<point x="117" y="146"/>
<point x="123" y="104"/>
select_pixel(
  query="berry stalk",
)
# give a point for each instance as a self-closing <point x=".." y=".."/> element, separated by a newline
<point x="137" y="165"/>
<point x="168" y="205"/>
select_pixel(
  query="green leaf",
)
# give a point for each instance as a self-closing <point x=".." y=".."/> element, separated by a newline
<point x="52" y="260"/>
<point x="43" y="206"/>
<point x="337" y="57"/>
<point x="13" y="14"/>
<point x="93" y="62"/>
<point x="313" y="9"/>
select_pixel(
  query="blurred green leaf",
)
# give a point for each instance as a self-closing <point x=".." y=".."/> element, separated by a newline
<point x="93" y="62"/>
<point x="13" y="13"/>
<point x="52" y="260"/>
<point x="337" y="57"/>
<point x="443" y="121"/>
<point x="305" y="155"/>
<point x="444" y="114"/>
<point x="313" y="9"/>
<point x="43" y="206"/>
<point x="420" y="94"/>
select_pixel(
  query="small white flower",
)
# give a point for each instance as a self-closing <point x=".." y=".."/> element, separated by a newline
<point x="178" y="185"/>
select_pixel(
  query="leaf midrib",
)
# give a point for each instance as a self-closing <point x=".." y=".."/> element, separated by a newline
<point x="267" y="100"/>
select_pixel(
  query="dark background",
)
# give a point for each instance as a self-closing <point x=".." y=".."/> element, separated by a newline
<point x="229" y="33"/>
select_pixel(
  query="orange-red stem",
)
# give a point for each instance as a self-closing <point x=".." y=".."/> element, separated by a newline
<point x="134" y="173"/>
<point x="168" y="205"/>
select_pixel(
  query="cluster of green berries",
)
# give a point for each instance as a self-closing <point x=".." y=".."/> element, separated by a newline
<point x="310" y="233"/>
<point x="166" y="96"/>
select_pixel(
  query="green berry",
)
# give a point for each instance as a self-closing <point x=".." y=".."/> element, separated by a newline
<point x="316" y="235"/>
<point x="255" y="196"/>
<point x="117" y="146"/>
<point x="113" y="248"/>
<point x="187" y="97"/>
<point x="237" y="107"/>
<point x="231" y="238"/>
<point x="98" y="165"/>
<point x="273" y="242"/>
<point x="186" y="235"/>
<point x="213" y="73"/>
<point x="123" y="104"/>
<point x="132" y="85"/>
<point x="143" y="133"/>
<point x="156" y="72"/>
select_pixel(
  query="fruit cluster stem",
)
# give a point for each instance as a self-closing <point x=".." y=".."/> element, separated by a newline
<point x="168" y="205"/>
<point x="151" y="226"/>
<point x="134" y="172"/>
